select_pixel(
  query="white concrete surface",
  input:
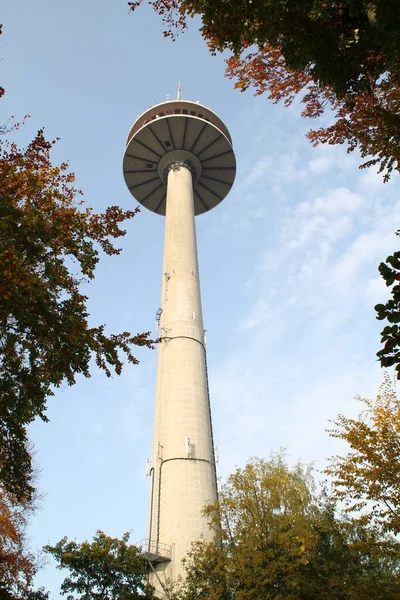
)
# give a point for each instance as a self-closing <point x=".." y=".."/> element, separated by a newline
<point x="183" y="474"/>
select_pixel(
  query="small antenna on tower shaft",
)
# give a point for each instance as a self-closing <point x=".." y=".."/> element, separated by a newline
<point x="179" y="90"/>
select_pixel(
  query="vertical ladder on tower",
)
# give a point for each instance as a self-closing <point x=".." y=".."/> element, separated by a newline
<point x="209" y="412"/>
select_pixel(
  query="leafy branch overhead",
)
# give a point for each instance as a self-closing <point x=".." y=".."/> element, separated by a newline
<point x="49" y="246"/>
<point x="341" y="56"/>
<point x="389" y="355"/>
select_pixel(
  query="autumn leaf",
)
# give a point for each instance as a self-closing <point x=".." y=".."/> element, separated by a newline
<point x="338" y="58"/>
<point x="50" y="243"/>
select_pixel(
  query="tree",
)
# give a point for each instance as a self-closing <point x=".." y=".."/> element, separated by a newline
<point x="277" y="538"/>
<point x="389" y="355"/>
<point x="350" y="560"/>
<point x="340" y="55"/>
<point x="17" y="564"/>
<point x="104" y="569"/>
<point x="367" y="479"/>
<point x="263" y="534"/>
<point x="49" y="246"/>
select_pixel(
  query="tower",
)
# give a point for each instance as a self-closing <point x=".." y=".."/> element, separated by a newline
<point x="179" y="162"/>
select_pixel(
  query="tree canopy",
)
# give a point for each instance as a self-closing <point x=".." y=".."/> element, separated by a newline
<point x="276" y="537"/>
<point x="104" y="569"/>
<point x="367" y="478"/>
<point x="336" y="54"/>
<point x="49" y="245"/>
<point x="17" y="563"/>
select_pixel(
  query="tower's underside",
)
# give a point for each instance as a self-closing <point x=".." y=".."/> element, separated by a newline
<point x="179" y="162"/>
<point x="198" y="135"/>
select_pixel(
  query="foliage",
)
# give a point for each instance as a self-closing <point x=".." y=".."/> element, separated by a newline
<point x="351" y="560"/>
<point x="104" y="569"/>
<point x="341" y="55"/>
<point x="17" y="564"/>
<point x="275" y="538"/>
<point x="368" y="477"/>
<point x="39" y="594"/>
<point x="49" y="246"/>
<point x="389" y="355"/>
<point x="264" y="536"/>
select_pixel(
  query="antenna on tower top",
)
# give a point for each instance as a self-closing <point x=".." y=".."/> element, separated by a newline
<point x="179" y="90"/>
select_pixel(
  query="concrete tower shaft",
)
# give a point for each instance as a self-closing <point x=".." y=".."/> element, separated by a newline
<point x="179" y="162"/>
<point x="183" y="468"/>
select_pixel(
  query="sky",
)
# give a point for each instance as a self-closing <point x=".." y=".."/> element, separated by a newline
<point x="288" y="263"/>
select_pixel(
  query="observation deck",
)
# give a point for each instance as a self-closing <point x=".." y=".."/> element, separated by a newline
<point x="179" y="131"/>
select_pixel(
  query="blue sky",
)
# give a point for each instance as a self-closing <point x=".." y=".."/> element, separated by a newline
<point x="288" y="262"/>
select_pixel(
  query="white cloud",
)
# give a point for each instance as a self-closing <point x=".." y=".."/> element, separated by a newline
<point x="361" y="250"/>
<point x="338" y="200"/>
<point x="371" y="177"/>
<point x="307" y="230"/>
<point x="288" y="167"/>
<point x="321" y="221"/>
<point x="339" y="227"/>
<point x="260" y="407"/>
<point x="320" y="164"/>
<point x="376" y="290"/>
<point x="259" y="315"/>
<point x="331" y="158"/>
<point x="318" y="230"/>
<point x="332" y="320"/>
<point x="367" y="247"/>
<point x="259" y="170"/>
<point x="299" y="361"/>
<point x="271" y="170"/>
